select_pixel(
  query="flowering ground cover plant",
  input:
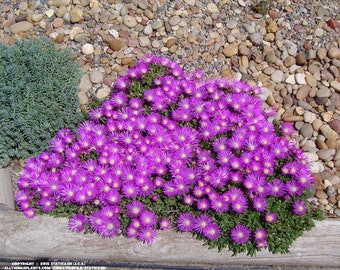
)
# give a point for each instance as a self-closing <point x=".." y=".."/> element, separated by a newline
<point x="171" y="150"/>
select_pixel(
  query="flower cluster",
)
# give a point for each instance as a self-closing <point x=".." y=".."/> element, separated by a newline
<point x="173" y="150"/>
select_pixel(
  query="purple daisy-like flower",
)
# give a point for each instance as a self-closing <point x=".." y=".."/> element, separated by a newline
<point x="287" y="128"/>
<point x="260" y="204"/>
<point x="212" y="231"/>
<point x="299" y="208"/>
<point x="130" y="190"/>
<point x="219" y="205"/>
<point x="165" y="224"/>
<point x="47" y="204"/>
<point x="131" y="232"/>
<point x="185" y="222"/>
<point x="77" y="222"/>
<point x="260" y="234"/>
<point x="96" y="219"/>
<point x="240" y="234"/>
<point x="276" y="188"/>
<point x="148" y="218"/>
<point x="30" y="212"/>
<point x="240" y="205"/>
<point x="201" y="222"/>
<point x="261" y="244"/>
<point x="109" y="228"/>
<point x="293" y="188"/>
<point x="134" y="209"/>
<point x="203" y="204"/>
<point x="270" y="217"/>
<point x="147" y="235"/>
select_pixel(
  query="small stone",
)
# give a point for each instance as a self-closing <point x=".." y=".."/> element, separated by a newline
<point x="230" y="50"/>
<point x="306" y="130"/>
<point x="302" y="92"/>
<point x="85" y="83"/>
<point x="331" y="191"/>
<point x="148" y="30"/>
<point x="317" y="124"/>
<point x="36" y="17"/>
<point x="310" y="54"/>
<point x="87" y="49"/>
<point x="21" y="18"/>
<point x="333" y="23"/>
<point x="103" y="92"/>
<point x="318" y="32"/>
<point x="336" y="86"/>
<point x="49" y="13"/>
<point x="309" y="117"/>
<point x="324" y="202"/>
<point x="58" y="22"/>
<point x="76" y="14"/>
<point x="289" y="61"/>
<point x="290" y="79"/>
<point x="59" y="3"/>
<point x="320" y="194"/>
<point x="144" y="41"/>
<point x="272" y="27"/>
<point x="300" y="78"/>
<point x="231" y="24"/>
<point x="299" y="28"/>
<point x="321" y="53"/>
<point x="328" y="132"/>
<point x="115" y="44"/>
<point x="277" y="76"/>
<point x="211" y="7"/>
<point x="337" y="211"/>
<point x="290" y="46"/>
<point x="130" y="21"/>
<point x="333" y="53"/>
<point x="310" y="80"/>
<point x="175" y="20"/>
<point x="318" y="181"/>
<point x="96" y="76"/>
<point x="327" y="116"/>
<point x="157" y="24"/>
<point x="335" y="125"/>
<point x="301" y="58"/>
<point x="326" y="154"/>
<point x="256" y="38"/>
<point x="19" y="27"/>
<point x="323" y="92"/>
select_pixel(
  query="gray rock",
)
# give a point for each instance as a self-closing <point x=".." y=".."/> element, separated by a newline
<point x="290" y="47"/>
<point x="309" y="117"/>
<point x="277" y="76"/>
<point x="306" y="130"/>
<point x="326" y="154"/>
<point x="256" y="38"/>
<point x="323" y="92"/>
<point x="96" y="76"/>
<point x="231" y="24"/>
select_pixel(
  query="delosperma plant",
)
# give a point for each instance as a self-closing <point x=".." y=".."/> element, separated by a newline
<point x="171" y="150"/>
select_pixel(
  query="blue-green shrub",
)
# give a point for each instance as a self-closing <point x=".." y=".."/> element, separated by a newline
<point x="38" y="96"/>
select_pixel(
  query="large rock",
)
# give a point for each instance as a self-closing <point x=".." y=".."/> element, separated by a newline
<point x="19" y="27"/>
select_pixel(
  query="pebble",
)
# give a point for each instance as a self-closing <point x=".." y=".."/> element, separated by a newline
<point x="230" y="50"/>
<point x="326" y="154"/>
<point x="19" y="27"/>
<point x="306" y="130"/>
<point x="300" y="78"/>
<point x="333" y="53"/>
<point x="87" y="49"/>
<point x="211" y="7"/>
<point x="130" y="21"/>
<point x="96" y="76"/>
<point x="309" y="117"/>
<point x="256" y="38"/>
<point x="76" y="14"/>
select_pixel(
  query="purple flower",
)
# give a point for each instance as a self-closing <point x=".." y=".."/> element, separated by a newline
<point x="276" y="188"/>
<point x="270" y="217"/>
<point x="201" y="222"/>
<point x="260" y="234"/>
<point x="240" y="234"/>
<point x="131" y="231"/>
<point x="203" y="204"/>
<point x="47" y="204"/>
<point x="299" y="208"/>
<point x="212" y="231"/>
<point x="109" y="228"/>
<point x="147" y="235"/>
<point x="134" y="209"/>
<point x="185" y="222"/>
<point x="260" y="204"/>
<point x="30" y="212"/>
<point x="148" y="218"/>
<point x="77" y="222"/>
<point x="165" y="224"/>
